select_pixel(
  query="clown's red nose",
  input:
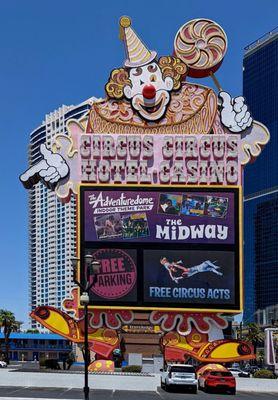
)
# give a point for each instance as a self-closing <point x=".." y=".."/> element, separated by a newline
<point x="149" y="91"/>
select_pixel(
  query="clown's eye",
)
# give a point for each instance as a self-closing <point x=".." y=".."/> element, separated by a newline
<point x="152" y="68"/>
<point x="138" y="71"/>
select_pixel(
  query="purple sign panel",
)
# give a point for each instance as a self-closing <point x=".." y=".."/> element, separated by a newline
<point x="162" y="216"/>
<point x="189" y="277"/>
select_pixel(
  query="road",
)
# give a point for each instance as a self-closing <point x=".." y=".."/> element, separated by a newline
<point x="48" y="393"/>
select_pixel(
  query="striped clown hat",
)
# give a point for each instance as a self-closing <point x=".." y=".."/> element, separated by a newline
<point x="137" y="53"/>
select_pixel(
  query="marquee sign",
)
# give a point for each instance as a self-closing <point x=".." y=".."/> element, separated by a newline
<point x="163" y="247"/>
<point x="157" y="168"/>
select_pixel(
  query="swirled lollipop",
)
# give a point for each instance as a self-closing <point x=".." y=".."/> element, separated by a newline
<point x="201" y="44"/>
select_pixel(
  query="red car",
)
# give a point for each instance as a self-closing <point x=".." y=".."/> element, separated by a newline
<point x="217" y="380"/>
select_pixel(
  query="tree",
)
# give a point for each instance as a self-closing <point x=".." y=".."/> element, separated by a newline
<point x="70" y="359"/>
<point x="254" y="335"/>
<point x="9" y="324"/>
<point x="261" y="357"/>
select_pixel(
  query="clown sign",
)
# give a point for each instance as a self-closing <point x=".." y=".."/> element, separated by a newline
<point x="157" y="169"/>
<point x="141" y="129"/>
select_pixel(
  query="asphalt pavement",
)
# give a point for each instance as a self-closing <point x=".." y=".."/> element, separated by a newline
<point x="24" y="393"/>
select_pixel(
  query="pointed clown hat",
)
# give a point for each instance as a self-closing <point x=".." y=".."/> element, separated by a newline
<point x="137" y="53"/>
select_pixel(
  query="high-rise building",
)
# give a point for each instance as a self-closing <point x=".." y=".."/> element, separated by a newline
<point x="260" y="88"/>
<point x="52" y="225"/>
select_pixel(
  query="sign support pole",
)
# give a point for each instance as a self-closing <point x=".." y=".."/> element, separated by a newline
<point x="86" y="353"/>
<point x="216" y="82"/>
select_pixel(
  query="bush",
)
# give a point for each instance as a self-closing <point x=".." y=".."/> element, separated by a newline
<point x="52" y="364"/>
<point x="132" y="368"/>
<point x="42" y="362"/>
<point x="264" y="373"/>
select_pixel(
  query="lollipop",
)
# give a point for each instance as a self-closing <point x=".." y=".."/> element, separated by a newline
<point x="201" y="44"/>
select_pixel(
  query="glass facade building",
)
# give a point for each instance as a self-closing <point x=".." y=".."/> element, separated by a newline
<point x="260" y="88"/>
<point x="52" y="225"/>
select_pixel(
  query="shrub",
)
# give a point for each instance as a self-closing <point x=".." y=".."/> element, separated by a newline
<point x="52" y="364"/>
<point x="132" y="368"/>
<point x="42" y="362"/>
<point x="264" y="373"/>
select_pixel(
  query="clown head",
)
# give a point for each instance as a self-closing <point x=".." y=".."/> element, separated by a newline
<point x="149" y="92"/>
<point x="145" y="82"/>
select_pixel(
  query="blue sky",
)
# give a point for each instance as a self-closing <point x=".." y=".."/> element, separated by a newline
<point x="61" y="52"/>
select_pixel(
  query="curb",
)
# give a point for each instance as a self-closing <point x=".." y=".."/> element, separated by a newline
<point x="53" y="371"/>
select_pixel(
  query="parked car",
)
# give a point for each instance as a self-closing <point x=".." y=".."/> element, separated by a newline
<point x="178" y="375"/>
<point x="253" y="369"/>
<point x="3" y="364"/>
<point x="217" y="380"/>
<point x="239" y="372"/>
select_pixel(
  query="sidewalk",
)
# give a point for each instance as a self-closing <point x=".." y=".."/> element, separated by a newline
<point x="54" y="380"/>
<point x="257" y="385"/>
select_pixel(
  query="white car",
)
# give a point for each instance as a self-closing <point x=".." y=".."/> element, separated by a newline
<point x="3" y="364"/>
<point x="237" y="372"/>
<point x="179" y="375"/>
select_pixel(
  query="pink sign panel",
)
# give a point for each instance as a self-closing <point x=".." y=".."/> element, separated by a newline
<point x="117" y="277"/>
<point x="160" y="159"/>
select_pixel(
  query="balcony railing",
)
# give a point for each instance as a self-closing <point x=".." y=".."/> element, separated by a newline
<point x="20" y="346"/>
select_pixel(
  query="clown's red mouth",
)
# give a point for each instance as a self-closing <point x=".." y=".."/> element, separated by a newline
<point x="152" y="109"/>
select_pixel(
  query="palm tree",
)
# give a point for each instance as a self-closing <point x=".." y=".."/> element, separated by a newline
<point x="9" y="324"/>
<point x="254" y="335"/>
<point x="261" y="357"/>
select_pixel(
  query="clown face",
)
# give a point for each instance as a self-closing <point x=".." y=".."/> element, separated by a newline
<point x="149" y="92"/>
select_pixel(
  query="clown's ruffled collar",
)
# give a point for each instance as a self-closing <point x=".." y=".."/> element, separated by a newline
<point x="191" y="110"/>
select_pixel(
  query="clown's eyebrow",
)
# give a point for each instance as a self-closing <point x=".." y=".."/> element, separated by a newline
<point x="138" y="71"/>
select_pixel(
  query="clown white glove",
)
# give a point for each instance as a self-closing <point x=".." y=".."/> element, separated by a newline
<point x="234" y="113"/>
<point x="50" y="169"/>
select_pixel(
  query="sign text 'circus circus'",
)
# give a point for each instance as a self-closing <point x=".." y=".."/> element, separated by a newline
<point x="158" y="158"/>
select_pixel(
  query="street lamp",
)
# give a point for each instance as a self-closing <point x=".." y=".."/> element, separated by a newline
<point x="92" y="268"/>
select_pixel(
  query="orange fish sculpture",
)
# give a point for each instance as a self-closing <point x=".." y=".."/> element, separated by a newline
<point x="101" y="340"/>
<point x="197" y="345"/>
